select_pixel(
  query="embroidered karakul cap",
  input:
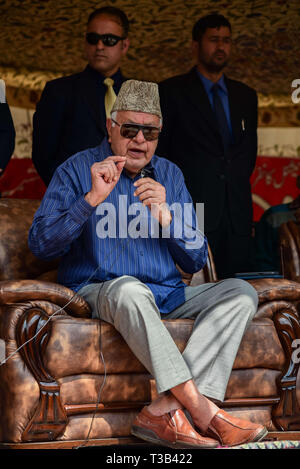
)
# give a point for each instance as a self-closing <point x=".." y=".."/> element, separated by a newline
<point x="139" y="96"/>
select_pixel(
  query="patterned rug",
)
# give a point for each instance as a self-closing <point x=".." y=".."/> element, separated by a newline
<point x="268" y="445"/>
<point x="146" y="449"/>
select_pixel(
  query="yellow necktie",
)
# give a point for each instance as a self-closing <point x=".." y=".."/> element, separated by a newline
<point x="110" y="96"/>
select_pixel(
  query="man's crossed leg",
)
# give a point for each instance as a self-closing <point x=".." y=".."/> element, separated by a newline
<point x="194" y="379"/>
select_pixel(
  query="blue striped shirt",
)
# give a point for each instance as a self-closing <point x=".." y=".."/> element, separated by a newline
<point x="66" y="226"/>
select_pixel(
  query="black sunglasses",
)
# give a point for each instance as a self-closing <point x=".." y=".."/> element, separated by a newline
<point x="108" y="40"/>
<point x="131" y="130"/>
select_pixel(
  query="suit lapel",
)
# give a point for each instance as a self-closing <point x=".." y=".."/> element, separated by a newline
<point x="89" y="89"/>
<point x="196" y="94"/>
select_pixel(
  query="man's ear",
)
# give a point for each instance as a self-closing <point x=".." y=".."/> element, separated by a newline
<point x="125" y="45"/>
<point x="108" y="127"/>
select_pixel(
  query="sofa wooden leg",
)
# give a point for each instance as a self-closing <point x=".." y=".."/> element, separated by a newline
<point x="286" y="414"/>
<point x="50" y="418"/>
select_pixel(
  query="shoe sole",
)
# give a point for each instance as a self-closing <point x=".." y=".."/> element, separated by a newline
<point x="151" y="437"/>
<point x="258" y="437"/>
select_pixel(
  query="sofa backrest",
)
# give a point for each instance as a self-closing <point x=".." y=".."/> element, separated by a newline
<point x="16" y="260"/>
<point x="289" y="238"/>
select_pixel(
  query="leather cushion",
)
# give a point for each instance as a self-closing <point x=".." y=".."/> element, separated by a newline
<point x="131" y="388"/>
<point x="74" y="347"/>
<point x="255" y="382"/>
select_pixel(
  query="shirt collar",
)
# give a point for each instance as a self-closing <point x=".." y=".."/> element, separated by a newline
<point x="117" y="77"/>
<point x="208" y="84"/>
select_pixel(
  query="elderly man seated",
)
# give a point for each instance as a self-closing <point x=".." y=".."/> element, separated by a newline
<point x="127" y="272"/>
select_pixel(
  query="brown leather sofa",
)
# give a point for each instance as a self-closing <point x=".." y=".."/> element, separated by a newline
<point x="50" y="387"/>
<point x="289" y="239"/>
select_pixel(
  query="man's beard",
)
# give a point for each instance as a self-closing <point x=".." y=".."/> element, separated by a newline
<point x="214" y="66"/>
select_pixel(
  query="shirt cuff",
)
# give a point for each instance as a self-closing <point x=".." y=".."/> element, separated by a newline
<point x="177" y="233"/>
<point x="81" y="210"/>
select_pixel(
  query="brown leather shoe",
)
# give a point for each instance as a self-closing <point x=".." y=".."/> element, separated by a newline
<point x="232" y="431"/>
<point x="172" y="429"/>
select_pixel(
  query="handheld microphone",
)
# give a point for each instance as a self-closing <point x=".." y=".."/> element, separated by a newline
<point x="147" y="173"/>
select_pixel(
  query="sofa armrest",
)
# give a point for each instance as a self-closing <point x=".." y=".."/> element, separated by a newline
<point x="272" y="289"/>
<point x="279" y="300"/>
<point x="27" y="389"/>
<point x="33" y="290"/>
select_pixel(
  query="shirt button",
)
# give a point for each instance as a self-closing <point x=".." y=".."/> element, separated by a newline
<point x="141" y="253"/>
<point x="222" y="176"/>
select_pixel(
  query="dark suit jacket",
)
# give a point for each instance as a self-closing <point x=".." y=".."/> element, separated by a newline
<point x="69" y="118"/>
<point x="7" y="135"/>
<point x="191" y="139"/>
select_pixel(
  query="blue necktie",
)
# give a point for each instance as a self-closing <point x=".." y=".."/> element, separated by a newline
<point x="221" y="117"/>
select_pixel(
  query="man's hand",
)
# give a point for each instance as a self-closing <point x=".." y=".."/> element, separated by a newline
<point x="153" y="195"/>
<point x="105" y="176"/>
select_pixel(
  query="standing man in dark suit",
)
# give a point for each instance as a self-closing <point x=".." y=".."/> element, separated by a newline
<point x="7" y="130"/>
<point x="71" y="115"/>
<point x="210" y="131"/>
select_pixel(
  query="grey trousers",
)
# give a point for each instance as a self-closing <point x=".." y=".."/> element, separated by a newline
<point x="221" y="313"/>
